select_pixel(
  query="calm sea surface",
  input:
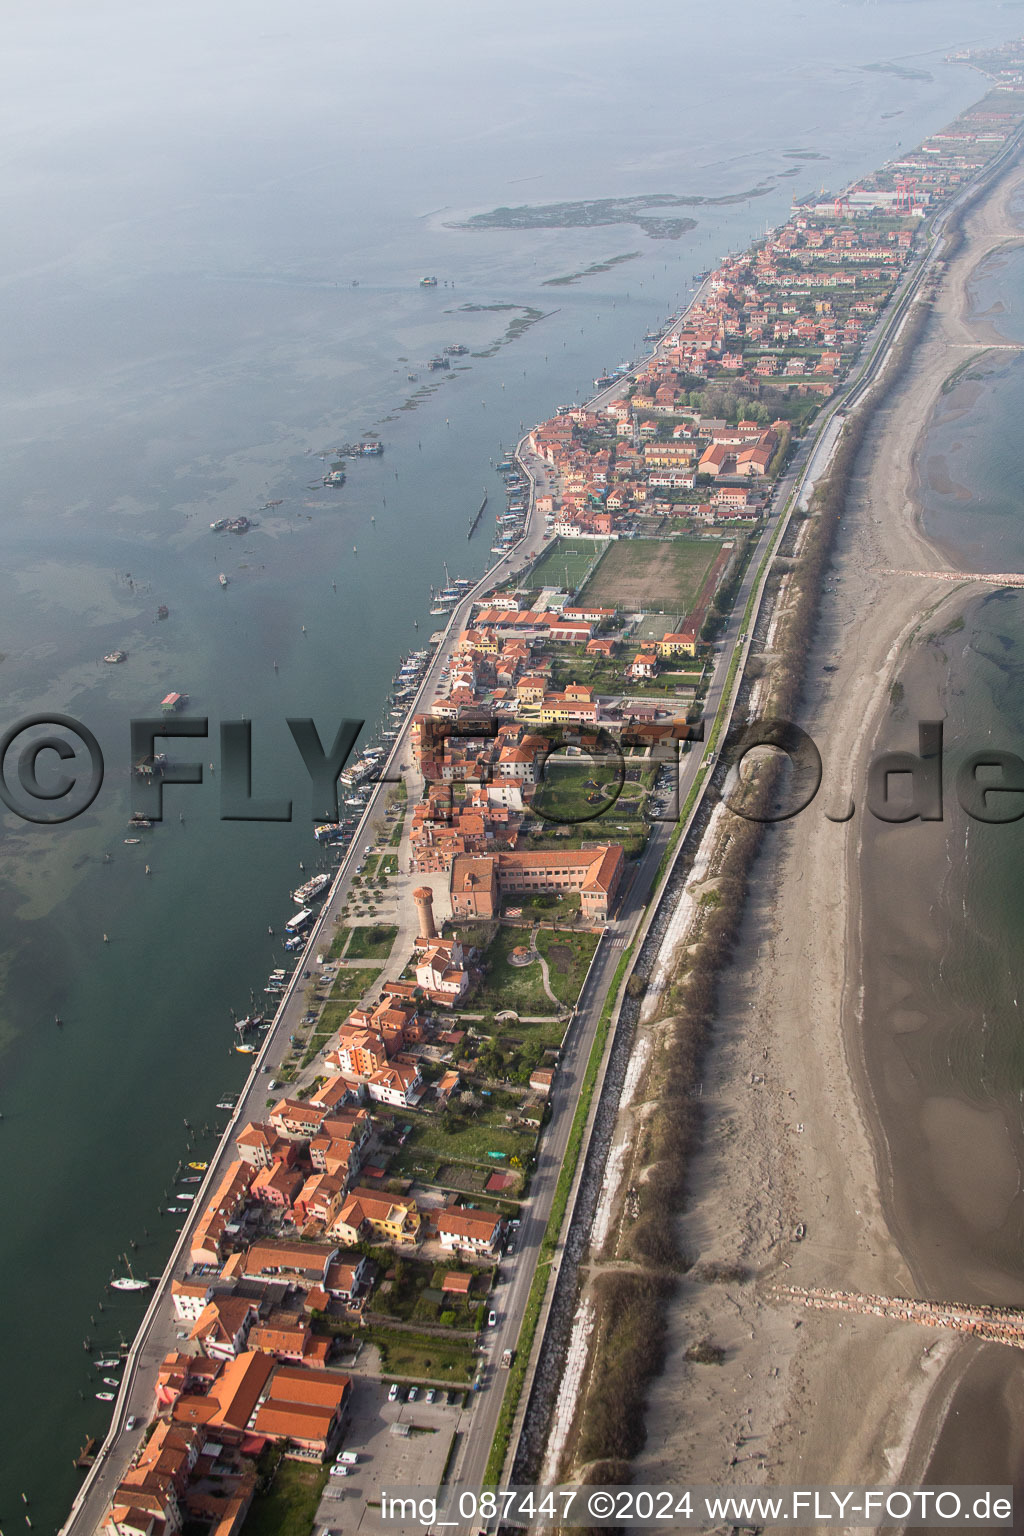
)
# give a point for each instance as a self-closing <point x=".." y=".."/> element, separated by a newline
<point x="215" y="223"/>
<point x="943" y="915"/>
<point x="974" y="507"/>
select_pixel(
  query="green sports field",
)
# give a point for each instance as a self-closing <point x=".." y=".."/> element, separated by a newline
<point x="565" y="563"/>
<point x="660" y="575"/>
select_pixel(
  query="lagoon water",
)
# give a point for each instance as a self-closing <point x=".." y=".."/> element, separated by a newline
<point x="215" y="224"/>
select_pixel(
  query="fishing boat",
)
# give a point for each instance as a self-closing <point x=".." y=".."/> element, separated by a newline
<point x="222" y="579"/>
<point x="199" y="1167"/>
<point x="244" y="1050"/>
<point x="225" y="1104"/>
<point x="111" y="1381"/>
<point x="191" y="1179"/>
<point x="130" y="840"/>
<point x="219" y="525"/>
<point x="163" y="611"/>
<point x="113" y="657"/>
<point x="184" y="1194"/>
<point x="105" y="1397"/>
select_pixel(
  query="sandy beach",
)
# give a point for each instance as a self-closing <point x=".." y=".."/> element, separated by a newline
<point x="806" y="1117"/>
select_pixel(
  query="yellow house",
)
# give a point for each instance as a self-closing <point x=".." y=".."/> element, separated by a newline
<point x="557" y="709"/>
<point x="366" y="1212"/>
<point x="530" y="690"/>
<point x="682" y="644"/>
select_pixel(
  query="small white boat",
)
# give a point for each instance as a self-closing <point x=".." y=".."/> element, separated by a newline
<point x="108" y="1365"/>
<point x="111" y="1381"/>
<point x="129" y="1283"/>
<point x="130" y="840"/>
<point x="106" y="1397"/>
<point x="222" y="579"/>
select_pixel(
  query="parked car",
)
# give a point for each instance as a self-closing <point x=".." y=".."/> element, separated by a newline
<point x="414" y="1393"/>
<point x="337" y="1471"/>
<point x="393" y="1392"/>
<point x="431" y="1396"/>
<point x="492" y="1319"/>
<point x="347" y="1458"/>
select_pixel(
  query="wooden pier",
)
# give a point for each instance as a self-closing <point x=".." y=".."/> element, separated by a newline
<point x="87" y="1455"/>
<point x="474" y="520"/>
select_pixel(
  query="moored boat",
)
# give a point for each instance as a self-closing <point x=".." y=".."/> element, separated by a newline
<point x="129" y="1283"/>
<point x="311" y="890"/>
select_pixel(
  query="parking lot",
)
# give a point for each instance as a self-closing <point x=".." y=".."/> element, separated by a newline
<point x="399" y="1444"/>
